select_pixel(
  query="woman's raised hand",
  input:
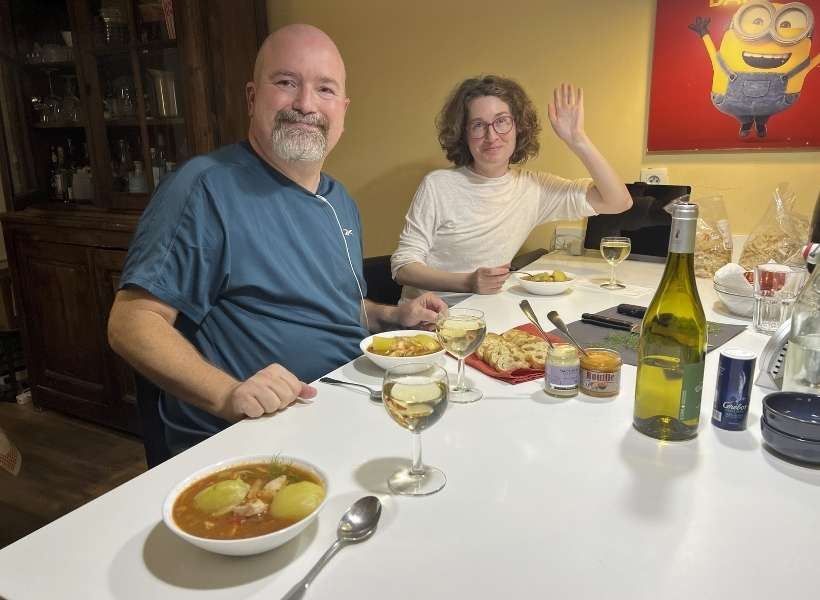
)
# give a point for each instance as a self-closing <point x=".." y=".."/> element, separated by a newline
<point x="566" y="114"/>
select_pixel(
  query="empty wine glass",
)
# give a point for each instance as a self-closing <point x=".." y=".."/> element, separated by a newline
<point x="71" y="103"/>
<point x="53" y="104"/>
<point x="415" y="396"/>
<point x="614" y="250"/>
<point x="461" y="332"/>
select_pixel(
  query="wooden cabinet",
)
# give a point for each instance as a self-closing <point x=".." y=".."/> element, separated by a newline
<point x="111" y="93"/>
<point x="66" y="267"/>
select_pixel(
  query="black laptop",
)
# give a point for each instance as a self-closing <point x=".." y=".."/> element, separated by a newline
<point x="647" y="224"/>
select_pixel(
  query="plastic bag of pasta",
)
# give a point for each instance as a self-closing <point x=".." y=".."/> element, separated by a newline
<point x="713" y="240"/>
<point x="779" y="235"/>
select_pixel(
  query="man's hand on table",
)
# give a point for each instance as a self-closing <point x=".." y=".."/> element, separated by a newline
<point x="271" y="389"/>
<point x="421" y="312"/>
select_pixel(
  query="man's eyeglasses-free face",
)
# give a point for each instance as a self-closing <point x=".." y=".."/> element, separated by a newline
<point x="478" y="129"/>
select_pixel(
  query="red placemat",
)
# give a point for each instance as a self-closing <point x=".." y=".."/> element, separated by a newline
<point x="516" y="375"/>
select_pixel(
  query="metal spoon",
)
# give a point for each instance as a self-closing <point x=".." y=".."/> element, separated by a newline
<point x="559" y="323"/>
<point x="530" y="313"/>
<point x="356" y="525"/>
<point x="375" y="395"/>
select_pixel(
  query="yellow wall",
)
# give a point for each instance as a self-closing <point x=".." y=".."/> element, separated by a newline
<point x="403" y="57"/>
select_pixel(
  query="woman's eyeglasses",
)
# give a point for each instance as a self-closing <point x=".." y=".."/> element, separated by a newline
<point x="478" y="129"/>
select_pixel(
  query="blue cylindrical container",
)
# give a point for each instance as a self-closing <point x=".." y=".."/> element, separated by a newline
<point x="734" y="386"/>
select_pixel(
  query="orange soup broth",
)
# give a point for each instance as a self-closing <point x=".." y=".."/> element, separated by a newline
<point x="229" y="526"/>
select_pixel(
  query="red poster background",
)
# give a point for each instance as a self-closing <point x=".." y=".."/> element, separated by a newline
<point x="681" y="113"/>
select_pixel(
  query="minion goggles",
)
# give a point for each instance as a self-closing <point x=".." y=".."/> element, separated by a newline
<point x="759" y="19"/>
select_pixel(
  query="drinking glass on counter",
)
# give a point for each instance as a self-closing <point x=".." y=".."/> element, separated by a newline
<point x="415" y="396"/>
<point x="614" y="250"/>
<point x="461" y="332"/>
<point x="776" y="288"/>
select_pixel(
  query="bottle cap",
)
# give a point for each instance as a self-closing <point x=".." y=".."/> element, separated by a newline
<point x="685" y="211"/>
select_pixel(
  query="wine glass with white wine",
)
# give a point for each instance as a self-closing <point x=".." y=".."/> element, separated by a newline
<point x="461" y="332"/>
<point x="614" y="250"/>
<point x="415" y="396"/>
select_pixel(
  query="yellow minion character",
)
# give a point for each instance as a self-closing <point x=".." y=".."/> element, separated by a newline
<point x="764" y="58"/>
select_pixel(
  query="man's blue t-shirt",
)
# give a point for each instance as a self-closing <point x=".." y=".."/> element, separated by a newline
<point x="258" y="269"/>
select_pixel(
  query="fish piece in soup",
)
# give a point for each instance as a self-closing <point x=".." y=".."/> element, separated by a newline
<point x="272" y="487"/>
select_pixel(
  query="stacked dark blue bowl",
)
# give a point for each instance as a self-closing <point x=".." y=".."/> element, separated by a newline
<point x="791" y="425"/>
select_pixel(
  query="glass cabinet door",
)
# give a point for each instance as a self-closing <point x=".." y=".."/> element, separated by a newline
<point x="55" y="144"/>
<point x="164" y="102"/>
<point x="138" y="69"/>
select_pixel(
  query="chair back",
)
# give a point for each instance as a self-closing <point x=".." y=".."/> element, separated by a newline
<point x="153" y="429"/>
<point x="380" y="285"/>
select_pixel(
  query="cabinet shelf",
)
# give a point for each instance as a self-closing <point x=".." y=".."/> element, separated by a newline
<point x="112" y="50"/>
<point x="149" y="121"/>
<point x="63" y="65"/>
<point x="122" y="122"/>
<point x="148" y="47"/>
<point x="142" y="47"/>
<point x="162" y="121"/>
<point x="60" y="125"/>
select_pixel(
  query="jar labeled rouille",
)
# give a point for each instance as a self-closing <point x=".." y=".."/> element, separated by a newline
<point x="561" y="371"/>
<point x="601" y="372"/>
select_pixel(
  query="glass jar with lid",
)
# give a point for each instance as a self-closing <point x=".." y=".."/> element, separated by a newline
<point x="561" y="371"/>
<point x="601" y="372"/>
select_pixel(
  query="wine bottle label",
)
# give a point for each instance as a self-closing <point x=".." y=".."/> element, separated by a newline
<point x="690" y="391"/>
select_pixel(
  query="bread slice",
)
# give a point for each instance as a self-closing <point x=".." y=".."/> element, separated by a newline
<point x="515" y="349"/>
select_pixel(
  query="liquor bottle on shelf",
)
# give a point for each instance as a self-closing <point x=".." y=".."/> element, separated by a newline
<point x="60" y="183"/>
<point x="162" y="153"/>
<point x="82" y="181"/>
<point x="801" y="372"/>
<point x="137" y="184"/>
<point x="83" y="160"/>
<point x="672" y="346"/>
<point x="52" y="172"/>
<point x="157" y="165"/>
<point x="124" y="165"/>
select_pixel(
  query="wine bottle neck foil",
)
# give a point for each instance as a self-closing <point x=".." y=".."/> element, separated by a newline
<point x="684" y="226"/>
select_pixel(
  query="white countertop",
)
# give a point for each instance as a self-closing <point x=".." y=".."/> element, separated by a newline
<point x="546" y="497"/>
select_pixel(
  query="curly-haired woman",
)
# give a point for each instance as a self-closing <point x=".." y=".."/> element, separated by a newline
<point x="467" y="222"/>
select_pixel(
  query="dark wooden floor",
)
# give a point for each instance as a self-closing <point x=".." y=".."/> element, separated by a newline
<point x="66" y="463"/>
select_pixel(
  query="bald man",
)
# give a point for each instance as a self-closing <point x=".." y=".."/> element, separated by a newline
<point x="244" y="278"/>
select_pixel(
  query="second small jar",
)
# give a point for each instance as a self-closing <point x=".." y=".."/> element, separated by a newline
<point x="601" y="372"/>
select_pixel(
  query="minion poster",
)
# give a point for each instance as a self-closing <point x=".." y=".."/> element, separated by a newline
<point x="735" y="74"/>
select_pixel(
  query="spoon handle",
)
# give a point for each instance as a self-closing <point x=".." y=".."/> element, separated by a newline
<point x="559" y="323"/>
<point x="340" y="382"/>
<point x="298" y="590"/>
<point x="525" y="307"/>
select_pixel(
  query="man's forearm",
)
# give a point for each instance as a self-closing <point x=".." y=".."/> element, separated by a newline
<point x="380" y="317"/>
<point x="157" y="350"/>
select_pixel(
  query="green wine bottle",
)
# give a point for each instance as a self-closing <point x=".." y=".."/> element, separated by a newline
<point x="672" y="346"/>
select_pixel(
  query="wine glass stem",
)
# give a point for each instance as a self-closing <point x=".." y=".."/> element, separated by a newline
<point x="416" y="468"/>
<point x="612" y="274"/>
<point x="460" y="380"/>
